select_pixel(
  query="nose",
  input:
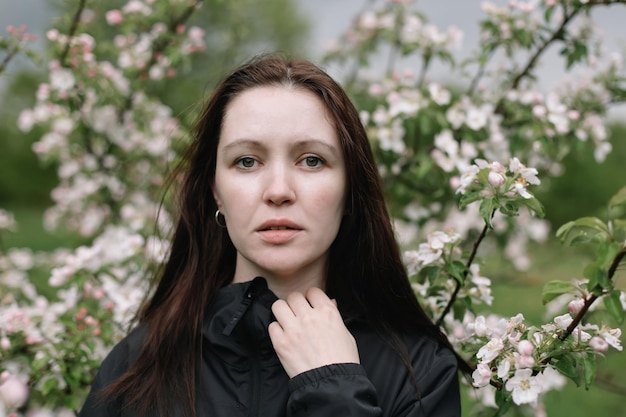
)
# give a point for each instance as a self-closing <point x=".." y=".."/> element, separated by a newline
<point x="279" y="189"/>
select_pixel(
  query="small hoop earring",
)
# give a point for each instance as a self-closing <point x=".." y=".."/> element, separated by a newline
<point x="217" y="219"/>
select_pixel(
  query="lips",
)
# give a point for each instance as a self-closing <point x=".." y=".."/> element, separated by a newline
<point x="279" y="231"/>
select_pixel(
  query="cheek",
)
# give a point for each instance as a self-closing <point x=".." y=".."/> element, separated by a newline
<point x="331" y="200"/>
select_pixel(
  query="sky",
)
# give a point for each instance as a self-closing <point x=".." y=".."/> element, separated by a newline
<point x="330" y="17"/>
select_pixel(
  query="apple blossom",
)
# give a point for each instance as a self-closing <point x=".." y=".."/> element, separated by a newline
<point x="524" y="387"/>
<point x="462" y="138"/>
<point x="482" y="375"/>
<point x="491" y="350"/>
<point x="13" y="392"/>
<point x="576" y="305"/>
<point x="598" y="344"/>
<point x="563" y="321"/>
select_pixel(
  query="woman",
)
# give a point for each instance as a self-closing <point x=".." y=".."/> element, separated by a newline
<point x="284" y="293"/>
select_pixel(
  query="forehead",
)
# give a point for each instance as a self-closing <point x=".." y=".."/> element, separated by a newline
<point x="276" y="110"/>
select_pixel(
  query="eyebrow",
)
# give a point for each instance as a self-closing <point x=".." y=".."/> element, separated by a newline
<point x="297" y="145"/>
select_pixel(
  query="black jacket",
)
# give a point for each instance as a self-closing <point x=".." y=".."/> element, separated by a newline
<point x="240" y="374"/>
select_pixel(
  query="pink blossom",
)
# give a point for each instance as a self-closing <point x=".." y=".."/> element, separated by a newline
<point x="5" y="343"/>
<point x="13" y="392"/>
<point x="196" y="34"/>
<point x="525" y="348"/>
<point x="26" y="120"/>
<point x="491" y="350"/>
<point x="576" y="305"/>
<point x="495" y="179"/>
<point x="563" y="321"/>
<point x="539" y="111"/>
<point x="482" y="375"/>
<point x="573" y="115"/>
<point x="523" y="361"/>
<point x="114" y="17"/>
<point x="612" y="337"/>
<point x="598" y="344"/>
<point x="551" y="379"/>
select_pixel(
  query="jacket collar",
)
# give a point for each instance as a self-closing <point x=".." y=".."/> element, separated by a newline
<point x="235" y="326"/>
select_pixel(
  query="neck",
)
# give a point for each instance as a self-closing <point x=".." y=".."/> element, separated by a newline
<point x="283" y="284"/>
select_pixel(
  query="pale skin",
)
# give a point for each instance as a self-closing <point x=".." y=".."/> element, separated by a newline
<point x="280" y="183"/>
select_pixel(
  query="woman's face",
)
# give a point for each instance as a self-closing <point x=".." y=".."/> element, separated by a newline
<point x="280" y="183"/>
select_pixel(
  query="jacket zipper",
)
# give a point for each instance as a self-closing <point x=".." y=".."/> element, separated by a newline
<point x="255" y="383"/>
<point x="255" y="392"/>
<point x="247" y="300"/>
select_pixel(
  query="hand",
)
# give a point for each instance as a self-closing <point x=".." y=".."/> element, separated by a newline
<point x="309" y="333"/>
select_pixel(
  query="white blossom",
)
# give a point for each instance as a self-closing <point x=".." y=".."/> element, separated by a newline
<point x="524" y="387"/>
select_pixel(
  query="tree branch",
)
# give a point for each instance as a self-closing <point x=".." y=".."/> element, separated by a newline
<point x="533" y="60"/>
<point x="469" y="262"/>
<point x="10" y="55"/>
<point x="589" y="301"/>
<point x="72" y="32"/>
<point x="480" y="72"/>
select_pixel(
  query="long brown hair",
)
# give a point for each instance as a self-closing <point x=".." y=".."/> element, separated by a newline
<point x="365" y="274"/>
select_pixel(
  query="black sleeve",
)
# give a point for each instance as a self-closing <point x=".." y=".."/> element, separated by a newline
<point x="344" y="390"/>
<point x="113" y="366"/>
<point x="335" y="390"/>
<point x="438" y="393"/>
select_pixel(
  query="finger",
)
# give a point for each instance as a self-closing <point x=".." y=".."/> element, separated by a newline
<point x="275" y="331"/>
<point x="282" y="312"/>
<point x="318" y="298"/>
<point x="298" y="303"/>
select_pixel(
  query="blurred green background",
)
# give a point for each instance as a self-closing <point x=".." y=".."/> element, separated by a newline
<point x="584" y="189"/>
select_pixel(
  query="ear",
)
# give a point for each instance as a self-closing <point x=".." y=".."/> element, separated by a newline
<point x="216" y="197"/>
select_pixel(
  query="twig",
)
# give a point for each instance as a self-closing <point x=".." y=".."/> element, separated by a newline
<point x="425" y="64"/>
<point x="533" y="60"/>
<point x="10" y="55"/>
<point x="609" y="385"/>
<point x="469" y="262"/>
<point x="589" y="301"/>
<point x="480" y="72"/>
<point x="160" y="46"/>
<point x="72" y="32"/>
<point x="556" y="34"/>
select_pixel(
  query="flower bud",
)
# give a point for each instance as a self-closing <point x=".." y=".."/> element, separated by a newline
<point x="482" y="375"/>
<point x="495" y="179"/>
<point x="598" y="344"/>
<point x="13" y="392"/>
<point x="576" y="305"/>
<point x="525" y="348"/>
<point x="5" y="343"/>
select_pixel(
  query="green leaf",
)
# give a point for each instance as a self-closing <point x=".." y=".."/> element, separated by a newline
<point x="456" y="269"/>
<point x="429" y="273"/>
<point x="614" y="305"/>
<point x="595" y="274"/>
<point x="548" y="14"/>
<point x="589" y="369"/>
<point x="504" y="401"/>
<point x="566" y="365"/>
<point x="486" y="210"/>
<point x="48" y="386"/>
<point x="534" y="205"/>
<point x="469" y="198"/>
<point x="619" y="230"/>
<point x="583" y="230"/>
<point x="553" y="289"/>
<point x="619" y="199"/>
<point x="607" y="253"/>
